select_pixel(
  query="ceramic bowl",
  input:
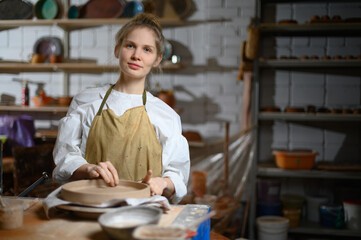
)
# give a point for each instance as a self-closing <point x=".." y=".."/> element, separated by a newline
<point x="120" y="224"/>
<point x="64" y="101"/>
<point x="132" y="9"/>
<point x="46" y="9"/>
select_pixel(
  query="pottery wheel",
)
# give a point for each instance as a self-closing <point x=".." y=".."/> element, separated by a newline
<point x="93" y="192"/>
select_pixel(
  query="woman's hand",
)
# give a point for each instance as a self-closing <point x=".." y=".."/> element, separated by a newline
<point x="158" y="185"/>
<point x="104" y="170"/>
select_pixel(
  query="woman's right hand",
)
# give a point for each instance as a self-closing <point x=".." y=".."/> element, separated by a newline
<point x="104" y="170"/>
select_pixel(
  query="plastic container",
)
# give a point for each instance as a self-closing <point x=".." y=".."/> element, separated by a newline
<point x="303" y="159"/>
<point x="269" y="208"/>
<point x="352" y="210"/>
<point x="272" y="228"/>
<point x="331" y="215"/>
<point x="11" y="216"/>
<point x="293" y="215"/>
<point x="292" y="201"/>
<point x="313" y="207"/>
<point x="155" y="232"/>
<point x="268" y="190"/>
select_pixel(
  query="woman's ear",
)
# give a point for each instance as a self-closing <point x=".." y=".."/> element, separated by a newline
<point x="116" y="51"/>
<point x="157" y="61"/>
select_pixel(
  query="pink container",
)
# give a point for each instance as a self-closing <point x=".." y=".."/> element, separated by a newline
<point x="268" y="190"/>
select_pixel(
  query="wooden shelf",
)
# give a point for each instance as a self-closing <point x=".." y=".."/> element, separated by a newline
<point x="75" y="24"/>
<point x="297" y="63"/>
<point x="270" y="170"/>
<point x="312" y="28"/>
<point x="309" y="117"/>
<point x="306" y="227"/>
<point x="304" y="1"/>
<point x="45" y="109"/>
<point x="14" y="67"/>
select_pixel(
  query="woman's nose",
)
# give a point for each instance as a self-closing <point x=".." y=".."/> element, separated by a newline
<point x="136" y="54"/>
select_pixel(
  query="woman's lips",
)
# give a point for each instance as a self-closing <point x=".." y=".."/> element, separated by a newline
<point x="134" y="66"/>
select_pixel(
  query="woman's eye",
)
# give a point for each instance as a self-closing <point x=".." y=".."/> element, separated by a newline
<point x="129" y="45"/>
<point x="147" y="49"/>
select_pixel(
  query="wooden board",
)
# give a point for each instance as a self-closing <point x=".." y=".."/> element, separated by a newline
<point x="93" y="192"/>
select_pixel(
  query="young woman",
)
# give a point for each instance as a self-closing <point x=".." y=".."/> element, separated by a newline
<point x="122" y="131"/>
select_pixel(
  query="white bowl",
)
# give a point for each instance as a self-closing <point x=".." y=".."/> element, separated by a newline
<point x="120" y="224"/>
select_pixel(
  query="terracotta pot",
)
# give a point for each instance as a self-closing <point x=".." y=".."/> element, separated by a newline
<point x="65" y="101"/>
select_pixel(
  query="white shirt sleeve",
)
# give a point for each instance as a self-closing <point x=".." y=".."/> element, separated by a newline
<point x="176" y="162"/>
<point x="67" y="154"/>
<point x="69" y="149"/>
<point x="175" y="156"/>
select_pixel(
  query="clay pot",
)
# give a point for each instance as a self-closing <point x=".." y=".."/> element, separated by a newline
<point x="38" y="58"/>
<point x="167" y="96"/>
<point x="65" y="101"/>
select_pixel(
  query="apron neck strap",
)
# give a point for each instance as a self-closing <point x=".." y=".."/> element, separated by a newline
<point x="144" y="97"/>
<point x="105" y="99"/>
<point x="107" y="95"/>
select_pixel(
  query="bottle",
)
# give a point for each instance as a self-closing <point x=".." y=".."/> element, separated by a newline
<point x="25" y="94"/>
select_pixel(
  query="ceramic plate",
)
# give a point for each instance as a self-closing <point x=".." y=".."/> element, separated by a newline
<point x="15" y="9"/>
<point x="102" y="9"/>
<point x="93" y="192"/>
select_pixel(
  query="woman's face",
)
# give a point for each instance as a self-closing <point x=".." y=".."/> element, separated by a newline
<point x="138" y="53"/>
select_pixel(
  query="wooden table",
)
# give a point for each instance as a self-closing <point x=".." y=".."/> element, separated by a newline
<point x="65" y="225"/>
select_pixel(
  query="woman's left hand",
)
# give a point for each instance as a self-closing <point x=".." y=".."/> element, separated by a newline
<point x="157" y="184"/>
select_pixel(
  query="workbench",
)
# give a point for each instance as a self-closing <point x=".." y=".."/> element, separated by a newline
<point x="67" y="225"/>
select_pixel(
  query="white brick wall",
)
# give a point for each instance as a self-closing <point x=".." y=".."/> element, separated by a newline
<point x="213" y="47"/>
<point x="332" y="89"/>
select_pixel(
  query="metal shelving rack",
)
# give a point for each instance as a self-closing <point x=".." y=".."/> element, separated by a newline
<point x="269" y="170"/>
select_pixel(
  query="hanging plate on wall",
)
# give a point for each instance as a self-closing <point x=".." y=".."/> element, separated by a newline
<point x="102" y="9"/>
<point x="15" y="9"/>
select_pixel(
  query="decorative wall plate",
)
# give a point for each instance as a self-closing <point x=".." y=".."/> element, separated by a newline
<point x="15" y="9"/>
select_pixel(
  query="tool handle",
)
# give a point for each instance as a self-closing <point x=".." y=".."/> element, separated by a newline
<point x="34" y="185"/>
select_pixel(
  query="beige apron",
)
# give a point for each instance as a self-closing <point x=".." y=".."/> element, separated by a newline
<point x="129" y="142"/>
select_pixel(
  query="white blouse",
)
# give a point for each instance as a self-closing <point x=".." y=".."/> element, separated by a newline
<point x="69" y="150"/>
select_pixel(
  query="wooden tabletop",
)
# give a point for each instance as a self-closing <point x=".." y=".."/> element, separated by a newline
<point x="65" y="225"/>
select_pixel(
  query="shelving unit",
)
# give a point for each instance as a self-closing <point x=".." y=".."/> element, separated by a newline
<point x="68" y="25"/>
<point x="69" y="66"/>
<point x="269" y="169"/>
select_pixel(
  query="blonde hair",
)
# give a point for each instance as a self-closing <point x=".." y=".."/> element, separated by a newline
<point x="143" y="20"/>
